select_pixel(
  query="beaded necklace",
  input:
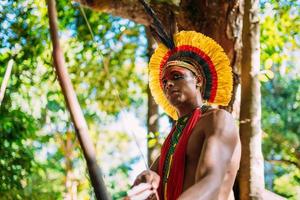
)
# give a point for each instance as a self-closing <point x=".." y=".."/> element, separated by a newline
<point x="179" y="127"/>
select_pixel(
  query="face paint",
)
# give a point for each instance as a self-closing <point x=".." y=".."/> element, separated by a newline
<point x="174" y="74"/>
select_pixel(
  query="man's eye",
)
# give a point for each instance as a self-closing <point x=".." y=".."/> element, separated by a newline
<point x="177" y="76"/>
<point x="164" y="82"/>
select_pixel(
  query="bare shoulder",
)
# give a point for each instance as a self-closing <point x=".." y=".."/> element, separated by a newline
<point x="217" y="115"/>
<point x="220" y="122"/>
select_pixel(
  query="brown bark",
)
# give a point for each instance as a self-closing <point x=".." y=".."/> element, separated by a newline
<point x="222" y="20"/>
<point x="153" y="116"/>
<point x="209" y="17"/>
<point x="129" y="9"/>
<point x="251" y="177"/>
<point x="66" y="146"/>
<point x="219" y="19"/>
<point x="70" y="182"/>
<point x="152" y="124"/>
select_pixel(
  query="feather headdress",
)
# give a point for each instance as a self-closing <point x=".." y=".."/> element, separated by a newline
<point x="183" y="49"/>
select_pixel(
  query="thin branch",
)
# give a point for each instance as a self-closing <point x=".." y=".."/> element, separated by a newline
<point x="5" y="79"/>
<point x="132" y="10"/>
<point x="283" y="161"/>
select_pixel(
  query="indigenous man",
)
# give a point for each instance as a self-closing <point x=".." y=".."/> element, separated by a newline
<point x="200" y="157"/>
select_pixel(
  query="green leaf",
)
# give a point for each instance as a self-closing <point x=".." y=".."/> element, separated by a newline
<point x="268" y="63"/>
<point x="53" y="106"/>
<point x="152" y="143"/>
<point x="269" y="74"/>
<point x="263" y="78"/>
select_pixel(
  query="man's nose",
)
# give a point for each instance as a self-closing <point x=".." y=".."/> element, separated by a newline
<point x="169" y="84"/>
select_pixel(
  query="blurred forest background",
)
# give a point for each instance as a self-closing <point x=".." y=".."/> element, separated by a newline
<point x="40" y="157"/>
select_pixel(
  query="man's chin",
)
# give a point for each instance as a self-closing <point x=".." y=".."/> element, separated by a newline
<point x="176" y="102"/>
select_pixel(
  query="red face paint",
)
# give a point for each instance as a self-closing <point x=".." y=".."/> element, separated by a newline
<point x="174" y="73"/>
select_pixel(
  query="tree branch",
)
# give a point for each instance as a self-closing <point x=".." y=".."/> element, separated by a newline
<point x="281" y="161"/>
<point x="129" y="9"/>
<point x="5" y="79"/>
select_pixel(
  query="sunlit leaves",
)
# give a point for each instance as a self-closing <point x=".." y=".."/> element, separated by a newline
<point x="107" y="71"/>
<point x="17" y="130"/>
<point x="279" y="33"/>
<point x="288" y="183"/>
<point x="53" y="106"/>
<point x="280" y="90"/>
<point x="266" y="75"/>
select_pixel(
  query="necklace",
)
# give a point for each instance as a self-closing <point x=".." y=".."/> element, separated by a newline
<point x="179" y="126"/>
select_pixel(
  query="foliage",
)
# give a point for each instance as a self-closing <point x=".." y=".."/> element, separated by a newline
<point x="16" y="131"/>
<point x="108" y="74"/>
<point x="281" y="95"/>
<point x="19" y="171"/>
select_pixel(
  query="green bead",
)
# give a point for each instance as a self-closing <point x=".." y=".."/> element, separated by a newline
<point x="180" y="125"/>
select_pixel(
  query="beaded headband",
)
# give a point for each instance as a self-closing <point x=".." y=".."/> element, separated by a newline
<point x="181" y="64"/>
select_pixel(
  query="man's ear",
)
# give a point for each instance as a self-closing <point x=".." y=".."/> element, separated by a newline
<point x="199" y="81"/>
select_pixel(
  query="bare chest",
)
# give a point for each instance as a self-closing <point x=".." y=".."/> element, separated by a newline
<point x="195" y="146"/>
<point x="193" y="152"/>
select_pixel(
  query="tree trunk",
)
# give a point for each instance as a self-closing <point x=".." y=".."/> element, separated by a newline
<point x="219" y="19"/>
<point x="70" y="182"/>
<point x="251" y="177"/>
<point x="222" y="20"/>
<point x="152" y="117"/>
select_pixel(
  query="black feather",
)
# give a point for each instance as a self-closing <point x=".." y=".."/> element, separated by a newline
<point x="156" y="26"/>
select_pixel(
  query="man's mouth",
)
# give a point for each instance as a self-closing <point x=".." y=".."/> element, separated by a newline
<point x="173" y="92"/>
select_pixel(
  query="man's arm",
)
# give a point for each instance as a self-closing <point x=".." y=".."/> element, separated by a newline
<point x="221" y="140"/>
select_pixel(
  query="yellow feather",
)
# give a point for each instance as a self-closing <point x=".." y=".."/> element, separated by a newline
<point x="211" y="49"/>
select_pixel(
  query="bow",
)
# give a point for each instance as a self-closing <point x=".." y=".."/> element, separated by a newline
<point x="78" y="119"/>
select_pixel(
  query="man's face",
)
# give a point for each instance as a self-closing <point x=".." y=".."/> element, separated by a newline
<point x="179" y="85"/>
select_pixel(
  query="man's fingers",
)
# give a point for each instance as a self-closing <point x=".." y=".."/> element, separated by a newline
<point x="148" y="177"/>
<point x="142" y="196"/>
<point x="145" y="177"/>
<point x="140" y="192"/>
<point x="141" y="178"/>
<point x="139" y="189"/>
<point x="155" y="181"/>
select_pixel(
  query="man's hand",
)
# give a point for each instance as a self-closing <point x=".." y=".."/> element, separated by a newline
<point x="148" y="176"/>
<point x="140" y="192"/>
<point x="144" y="187"/>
